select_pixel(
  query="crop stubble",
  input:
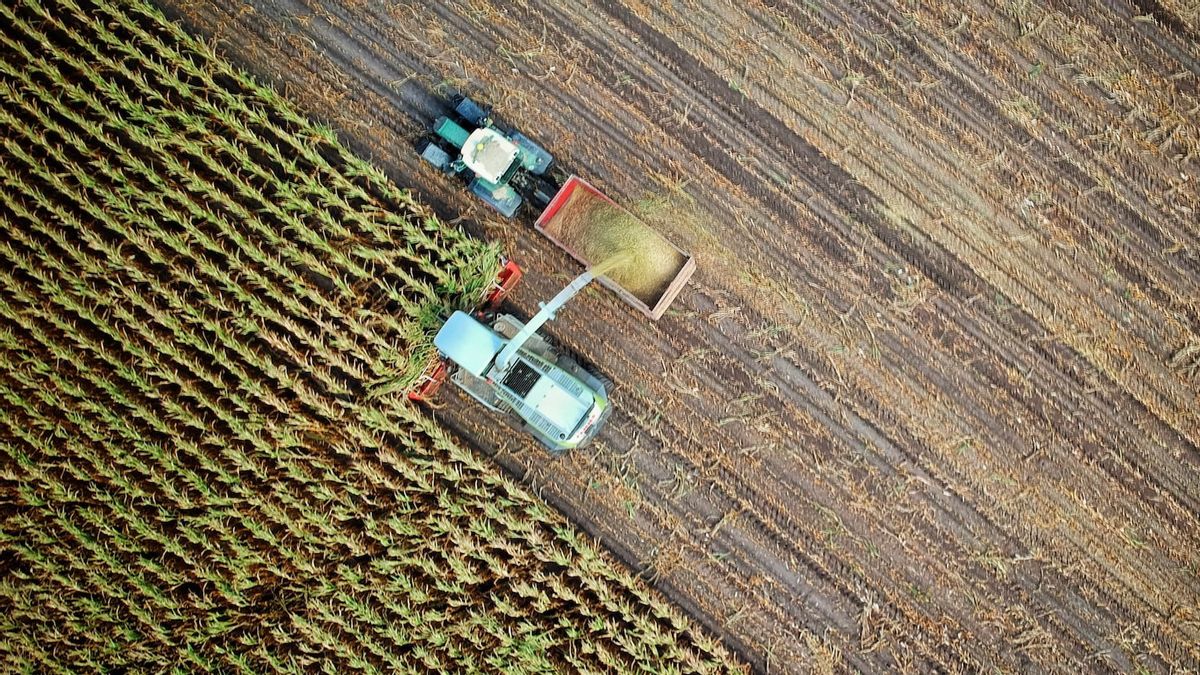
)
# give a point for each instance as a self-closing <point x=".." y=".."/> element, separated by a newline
<point x="918" y="407"/>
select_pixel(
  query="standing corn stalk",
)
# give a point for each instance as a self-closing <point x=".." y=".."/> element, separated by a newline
<point x="210" y="312"/>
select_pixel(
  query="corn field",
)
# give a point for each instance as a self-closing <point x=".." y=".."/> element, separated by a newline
<point x="210" y="314"/>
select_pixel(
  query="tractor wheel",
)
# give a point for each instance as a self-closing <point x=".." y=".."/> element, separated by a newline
<point x="433" y="153"/>
<point x="543" y="190"/>
<point x="557" y="175"/>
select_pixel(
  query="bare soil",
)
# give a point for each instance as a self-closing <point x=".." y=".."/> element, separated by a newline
<point x="927" y="402"/>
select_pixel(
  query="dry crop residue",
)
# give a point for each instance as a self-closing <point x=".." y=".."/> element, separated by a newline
<point x="928" y="401"/>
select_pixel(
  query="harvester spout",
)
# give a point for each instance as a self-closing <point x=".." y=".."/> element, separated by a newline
<point x="549" y="309"/>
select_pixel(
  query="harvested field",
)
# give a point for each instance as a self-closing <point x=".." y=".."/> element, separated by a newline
<point x="930" y="401"/>
<point x="210" y="315"/>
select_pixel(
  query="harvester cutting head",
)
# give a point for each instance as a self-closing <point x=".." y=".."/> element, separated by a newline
<point x="437" y="370"/>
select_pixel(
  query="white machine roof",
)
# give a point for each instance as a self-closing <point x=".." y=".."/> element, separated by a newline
<point x="557" y="405"/>
<point x="468" y="343"/>
<point x="488" y="154"/>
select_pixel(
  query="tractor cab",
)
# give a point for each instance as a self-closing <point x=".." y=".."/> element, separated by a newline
<point x="489" y="154"/>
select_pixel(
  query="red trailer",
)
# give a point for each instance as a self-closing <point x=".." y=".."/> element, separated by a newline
<point x="578" y="194"/>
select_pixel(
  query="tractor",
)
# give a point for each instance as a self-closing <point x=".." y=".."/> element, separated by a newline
<point x="502" y="167"/>
<point x="496" y="358"/>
